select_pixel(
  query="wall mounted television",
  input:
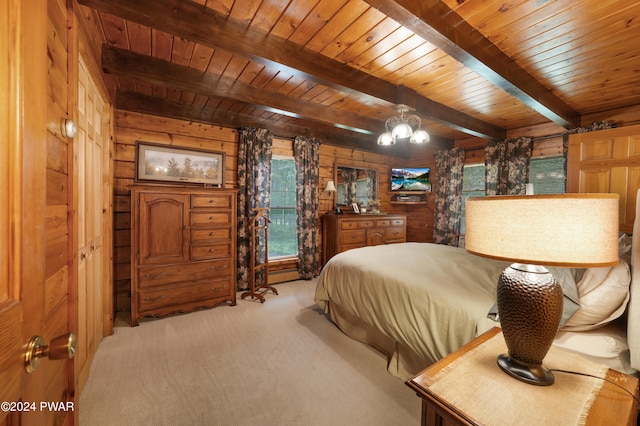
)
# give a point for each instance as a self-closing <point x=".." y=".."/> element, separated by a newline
<point x="410" y="179"/>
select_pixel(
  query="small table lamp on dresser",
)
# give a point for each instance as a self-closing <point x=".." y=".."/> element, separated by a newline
<point x="331" y="189"/>
<point x="565" y="230"/>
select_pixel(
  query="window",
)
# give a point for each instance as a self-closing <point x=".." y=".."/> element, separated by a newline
<point x="283" y="239"/>
<point x="472" y="186"/>
<point x="547" y="175"/>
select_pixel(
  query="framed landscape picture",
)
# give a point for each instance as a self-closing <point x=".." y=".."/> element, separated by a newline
<point x="179" y="165"/>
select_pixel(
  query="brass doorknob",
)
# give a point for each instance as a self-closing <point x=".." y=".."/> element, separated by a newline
<point x="62" y="347"/>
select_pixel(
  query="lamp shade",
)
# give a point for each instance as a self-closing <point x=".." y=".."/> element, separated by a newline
<point x="567" y="230"/>
<point x="330" y="187"/>
<point x="401" y="131"/>
<point x="419" y="136"/>
<point x="386" y="139"/>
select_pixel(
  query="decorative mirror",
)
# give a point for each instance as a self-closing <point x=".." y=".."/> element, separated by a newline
<point x="355" y="185"/>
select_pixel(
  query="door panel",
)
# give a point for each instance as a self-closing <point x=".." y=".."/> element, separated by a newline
<point x="10" y="208"/>
<point x="171" y="213"/>
<point x="607" y="161"/>
<point x="92" y="159"/>
<point x="23" y="147"/>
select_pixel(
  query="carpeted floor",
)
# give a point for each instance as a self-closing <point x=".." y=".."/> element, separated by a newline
<point x="278" y="363"/>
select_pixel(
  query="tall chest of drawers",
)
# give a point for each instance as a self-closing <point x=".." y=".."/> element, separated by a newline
<point x="183" y="249"/>
<point x="344" y="232"/>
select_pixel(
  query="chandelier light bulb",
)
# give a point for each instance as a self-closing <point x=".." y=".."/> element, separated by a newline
<point x="401" y="131"/>
<point x="386" y="139"/>
<point x="420" y="136"/>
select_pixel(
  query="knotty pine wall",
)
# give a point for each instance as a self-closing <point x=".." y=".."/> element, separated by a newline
<point x="58" y="317"/>
<point x="130" y="127"/>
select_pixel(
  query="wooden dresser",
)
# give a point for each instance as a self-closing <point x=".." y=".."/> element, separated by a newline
<point x="444" y="399"/>
<point x="347" y="231"/>
<point x="183" y="249"/>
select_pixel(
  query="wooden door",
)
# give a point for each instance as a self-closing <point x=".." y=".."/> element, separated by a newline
<point x="607" y="161"/>
<point x="23" y="217"/>
<point x="375" y="237"/>
<point x="164" y="228"/>
<point x="11" y="306"/>
<point x="93" y="207"/>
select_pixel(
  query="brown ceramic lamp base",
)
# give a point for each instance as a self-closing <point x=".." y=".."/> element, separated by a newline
<point x="531" y="373"/>
<point x="530" y="308"/>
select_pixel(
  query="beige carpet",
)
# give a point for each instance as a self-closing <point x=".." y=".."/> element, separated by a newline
<point x="278" y="363"/>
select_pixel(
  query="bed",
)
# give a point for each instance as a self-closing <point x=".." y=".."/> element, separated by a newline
<point x="418" y="302"/>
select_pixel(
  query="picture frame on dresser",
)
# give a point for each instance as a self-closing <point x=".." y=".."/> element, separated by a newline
<point x="172" y="164"/>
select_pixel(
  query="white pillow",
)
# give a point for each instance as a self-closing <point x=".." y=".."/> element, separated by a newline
<point x="603" y="294"/>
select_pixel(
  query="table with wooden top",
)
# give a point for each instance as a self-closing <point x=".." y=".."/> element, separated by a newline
<point x="611" y="404"/>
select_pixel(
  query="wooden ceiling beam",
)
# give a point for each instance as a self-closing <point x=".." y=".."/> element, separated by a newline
<point x="446" y="30"/>
<point x="135" y="102"/>
<point x="205" y="26"/>
<point x="125" y="63"/>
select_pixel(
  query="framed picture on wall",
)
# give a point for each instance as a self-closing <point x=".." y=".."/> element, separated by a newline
<point x="173" y="164"/>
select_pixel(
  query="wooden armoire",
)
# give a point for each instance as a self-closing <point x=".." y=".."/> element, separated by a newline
<point x="183" y="249"/>
<point x="607" y="161"/>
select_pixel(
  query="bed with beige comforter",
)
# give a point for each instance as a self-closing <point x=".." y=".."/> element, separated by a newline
<point x="418" y="302"/>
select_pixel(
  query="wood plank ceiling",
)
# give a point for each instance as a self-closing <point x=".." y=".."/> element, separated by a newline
<point x="337" y="69"/>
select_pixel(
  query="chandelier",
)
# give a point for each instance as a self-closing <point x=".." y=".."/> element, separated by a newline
<point x="402" y="128"/>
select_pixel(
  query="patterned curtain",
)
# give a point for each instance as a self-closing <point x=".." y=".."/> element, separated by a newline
<point x="507" y="166"/>
<point x="307" y="159"/>
<point x="448" y="196"/>
<point x="254" y="181"/>
<point x="371" y="185"/>
<point x="349" y="179"/>
<point x="596" y="125"/>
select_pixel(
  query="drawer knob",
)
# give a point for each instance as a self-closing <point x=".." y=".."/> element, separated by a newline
<point x="212" y="234"/>
<point x="219" y="268"/>
<point x="217" y="289"/>
<point x="212" y="201"/>
<point x="153" y="299"/>
<point x="211" y="250"/>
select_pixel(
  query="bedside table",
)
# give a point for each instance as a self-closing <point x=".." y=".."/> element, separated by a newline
<point x="468" y="388"/>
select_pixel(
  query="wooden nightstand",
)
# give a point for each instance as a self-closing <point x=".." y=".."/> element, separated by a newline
<point x="468" y="388"/>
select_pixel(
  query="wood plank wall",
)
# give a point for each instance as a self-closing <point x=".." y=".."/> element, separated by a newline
<point x="58" y="309"/>
<point x="131" y="127"/>
<point x="135" y="126"/>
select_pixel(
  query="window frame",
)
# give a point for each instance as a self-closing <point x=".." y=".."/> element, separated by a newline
<point x="287" y="257"/>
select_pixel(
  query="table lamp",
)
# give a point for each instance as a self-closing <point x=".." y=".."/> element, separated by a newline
<point x="330" y="189"/>
<point x="564" y="230"/>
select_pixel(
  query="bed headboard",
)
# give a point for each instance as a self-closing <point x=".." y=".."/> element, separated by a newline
<point x="633" y="309"/>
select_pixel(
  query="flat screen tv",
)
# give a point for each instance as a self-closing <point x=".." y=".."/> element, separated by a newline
<point x="410" y="179"/>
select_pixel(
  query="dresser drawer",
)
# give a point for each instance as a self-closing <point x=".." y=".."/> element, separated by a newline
<point x="394" y="234"/>
<point x="357" y="236"/>
<point x="349" y="224"/>
<point x="383" y="223"/>
<point x="219" y="201"/>
<point x="213" y="251"/>
<point x="202" y="290"/>
<point x="210" y="218"/>
<point x="160" y="275"/>
<point x="366" y="224"/>
<point x="201" y="237"/>
<point x="397" y="222"/>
